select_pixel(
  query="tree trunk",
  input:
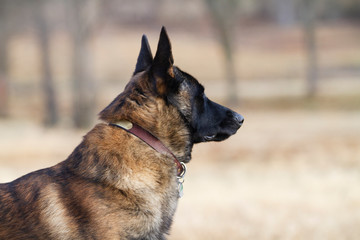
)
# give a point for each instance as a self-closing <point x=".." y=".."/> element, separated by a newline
<point x="4" y="37"/>
<point x="285" y="13"/>
<point x="82" y="17"/>
<point x="51" y="108"/>
<point x="309" y="14"/>
<point x="224" y="15"/>
<point x="230" y="69"/>
<point x="83" y="84"/>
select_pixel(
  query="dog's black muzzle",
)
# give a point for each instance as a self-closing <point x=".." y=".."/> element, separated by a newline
<point x="228" y="126"/>
<point x="217" y="123"/>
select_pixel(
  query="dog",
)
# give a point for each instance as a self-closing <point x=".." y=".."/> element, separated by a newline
<point x="124" y="179"/>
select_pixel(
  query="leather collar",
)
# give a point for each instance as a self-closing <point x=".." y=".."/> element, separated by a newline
<point x="151" y="140"/>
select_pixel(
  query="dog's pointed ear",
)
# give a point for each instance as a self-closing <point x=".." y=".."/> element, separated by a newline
<point x="163" y="61"/>
<point x="145" y="58"/>
<point x="163" y="65"/>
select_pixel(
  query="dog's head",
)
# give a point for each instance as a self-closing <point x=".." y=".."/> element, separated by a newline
<point x="158" y="84"/>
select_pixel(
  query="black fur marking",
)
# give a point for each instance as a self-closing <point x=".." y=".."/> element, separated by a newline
<point x="140" y="92"/>
<point x="163" y="60"/>
<point x="145" y="57"/>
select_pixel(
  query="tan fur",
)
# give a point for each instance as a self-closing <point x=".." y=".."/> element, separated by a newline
<point x="55" y="215"/>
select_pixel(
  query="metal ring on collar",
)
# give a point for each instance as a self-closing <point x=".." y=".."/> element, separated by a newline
<point x="182" y="174"/>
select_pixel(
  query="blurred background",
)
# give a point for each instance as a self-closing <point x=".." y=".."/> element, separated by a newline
<point x="290" y="67"/>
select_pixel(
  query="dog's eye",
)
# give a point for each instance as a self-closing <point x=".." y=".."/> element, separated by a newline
<point x="200" y="99"/>
<point x="201" y="95"/>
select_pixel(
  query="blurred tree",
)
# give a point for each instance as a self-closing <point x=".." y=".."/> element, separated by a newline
<point x="42" y="23"/>
<point x="4" y="38"/>
<point x="282" y="12"/>
<point x="224" y="15"/>
<point x="285" y="14"/>
<point x="308" y="18"/>
<point x="82" y="17"/>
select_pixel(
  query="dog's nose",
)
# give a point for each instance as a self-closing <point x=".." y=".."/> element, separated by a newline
<point x="239" y="118"/>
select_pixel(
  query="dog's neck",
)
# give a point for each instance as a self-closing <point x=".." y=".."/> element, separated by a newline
<point x="166" y="124"/>
<point x="151" y="140"/>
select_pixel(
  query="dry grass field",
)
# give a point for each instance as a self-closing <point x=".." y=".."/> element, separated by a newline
<point x="285" y="175"/>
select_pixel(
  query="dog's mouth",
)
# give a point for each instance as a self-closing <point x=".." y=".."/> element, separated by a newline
<point x="210" y="137"/>
<point x="218" y="137"/>
<point x="230" y="130"/>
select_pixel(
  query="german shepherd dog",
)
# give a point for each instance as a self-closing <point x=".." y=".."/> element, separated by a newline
<point x="124" y="179"/>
